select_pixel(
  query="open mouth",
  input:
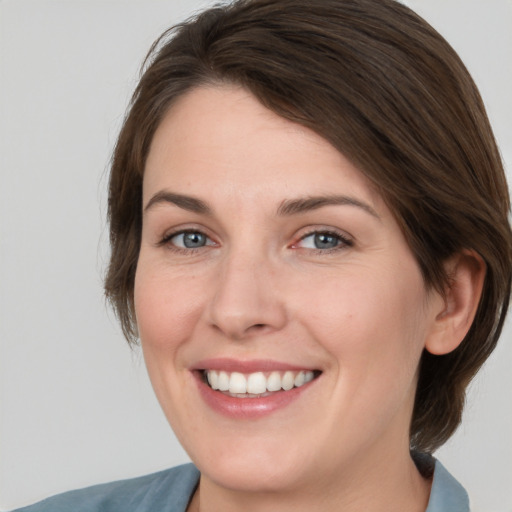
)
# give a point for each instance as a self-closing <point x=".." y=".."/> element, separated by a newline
<point x="257" y="384"/>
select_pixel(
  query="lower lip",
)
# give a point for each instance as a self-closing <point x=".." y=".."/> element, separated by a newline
<point x="248" y="408"/>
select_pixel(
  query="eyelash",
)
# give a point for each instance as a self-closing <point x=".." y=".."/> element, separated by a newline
<point x="166" y="241"/>
<point x="343" y="241"/>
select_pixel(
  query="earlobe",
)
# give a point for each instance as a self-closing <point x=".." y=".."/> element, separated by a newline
<point x="466" y="273"/>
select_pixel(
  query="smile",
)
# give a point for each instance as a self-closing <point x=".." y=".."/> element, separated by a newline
<point x="257" y="384"/>
<point x="252" y="389"/>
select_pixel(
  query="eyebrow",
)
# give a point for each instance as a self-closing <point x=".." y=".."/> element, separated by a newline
<point x="306" y="204"/>
<point x="286" y="208"/>
<point x="189" y="203"/>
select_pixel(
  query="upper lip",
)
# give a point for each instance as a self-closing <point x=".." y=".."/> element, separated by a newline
<point x="247" y="366"/>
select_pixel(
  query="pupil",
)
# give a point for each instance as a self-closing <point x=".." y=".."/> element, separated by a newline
<point x="325" y="241"/>
<point x="191" y="240"/>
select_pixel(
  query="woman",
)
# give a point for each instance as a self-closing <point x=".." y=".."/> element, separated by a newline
<point x="309" y="235"/>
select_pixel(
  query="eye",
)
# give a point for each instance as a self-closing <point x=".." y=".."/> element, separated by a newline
<point x="323" y="240"/>
<point x="189" y="240"/>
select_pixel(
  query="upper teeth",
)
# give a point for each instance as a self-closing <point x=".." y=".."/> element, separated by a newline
<point x="257" y="383"/>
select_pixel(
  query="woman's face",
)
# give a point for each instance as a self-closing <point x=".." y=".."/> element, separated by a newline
<point x="267" y="260"/>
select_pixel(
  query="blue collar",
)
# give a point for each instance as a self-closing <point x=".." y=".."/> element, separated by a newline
<point x="447" y="495"/>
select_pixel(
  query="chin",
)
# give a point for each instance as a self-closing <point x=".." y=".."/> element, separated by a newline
<point x="254" y="472"/>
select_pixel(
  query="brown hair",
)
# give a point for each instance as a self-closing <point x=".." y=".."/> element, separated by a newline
<point x="389" y="92"/>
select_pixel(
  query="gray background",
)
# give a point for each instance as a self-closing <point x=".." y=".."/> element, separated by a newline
<point x="76" y="405"/>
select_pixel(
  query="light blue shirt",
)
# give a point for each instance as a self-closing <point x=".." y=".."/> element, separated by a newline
<point x="171" y="490"/>
<point x="447" y="495"/>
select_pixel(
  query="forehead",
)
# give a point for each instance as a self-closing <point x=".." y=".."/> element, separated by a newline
<point x="222" y="139"/>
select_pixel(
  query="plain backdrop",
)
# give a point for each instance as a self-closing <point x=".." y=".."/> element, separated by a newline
<point x="76" y="404"/>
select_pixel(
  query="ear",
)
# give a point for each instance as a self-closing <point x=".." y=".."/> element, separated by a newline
<point x="458" y="306"/>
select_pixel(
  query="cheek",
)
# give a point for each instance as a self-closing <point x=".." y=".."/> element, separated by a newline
<point x="374" y="330"/>
<point x="167" y="311"/>
<point x="369" y="320"/>
<point x="167" y="308"/>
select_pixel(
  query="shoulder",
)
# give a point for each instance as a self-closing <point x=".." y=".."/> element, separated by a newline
<point x="166" y="490"/>
<point x="447" y="494"/>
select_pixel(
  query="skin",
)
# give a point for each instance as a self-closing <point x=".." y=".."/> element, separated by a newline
<point x="260" y="289"/>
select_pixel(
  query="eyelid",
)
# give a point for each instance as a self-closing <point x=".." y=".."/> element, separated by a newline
<point x="169" y="235"/>
<point x="345" y="239"/>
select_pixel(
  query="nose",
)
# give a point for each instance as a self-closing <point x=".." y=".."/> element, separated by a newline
<point x="247" y="300"/>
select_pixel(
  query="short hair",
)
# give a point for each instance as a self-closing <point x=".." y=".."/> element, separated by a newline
<point x="385" y="89"/>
